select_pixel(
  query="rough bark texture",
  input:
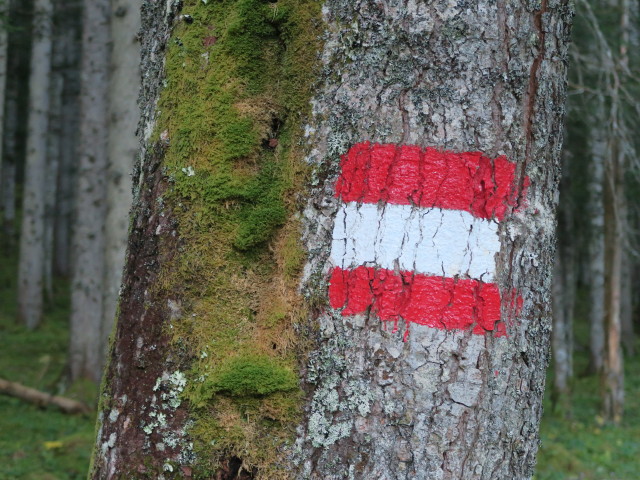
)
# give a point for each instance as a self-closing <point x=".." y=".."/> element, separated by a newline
<point x="32" y="252"/>
<point x="87" y="339"/>
<point x="123" y="147"/>
<point x="452" y="405"/>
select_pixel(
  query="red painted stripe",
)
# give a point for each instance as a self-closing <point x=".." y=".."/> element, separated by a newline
<point x="438" y="302"/>
<point x="410" y="175"/>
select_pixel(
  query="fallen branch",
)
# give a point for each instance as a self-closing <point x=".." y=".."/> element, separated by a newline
<point x="32" y="395"/>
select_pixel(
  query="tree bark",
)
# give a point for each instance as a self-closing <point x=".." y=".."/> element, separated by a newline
<point x="596" y="263"/>
<point x="482" y="96"/>
<point x="86" y="336"/>
<point x="32" y="251"/>
<point x="54" y="141"/>
<point x="70" y="122"/>
<point x="419" y="402"/>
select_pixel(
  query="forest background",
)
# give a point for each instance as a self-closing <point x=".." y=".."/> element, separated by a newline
<point x="68" y="86"/>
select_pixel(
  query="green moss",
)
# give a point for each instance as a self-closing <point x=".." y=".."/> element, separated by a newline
<point x="253" y="376"/>
<point x="239" y="79"/>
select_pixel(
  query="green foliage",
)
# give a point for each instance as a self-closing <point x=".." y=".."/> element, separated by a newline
<point x="252" y="376"/>
<point x="39" y="443"/>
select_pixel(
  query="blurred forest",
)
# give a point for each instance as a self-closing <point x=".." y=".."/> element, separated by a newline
<point x="69" y="79"/>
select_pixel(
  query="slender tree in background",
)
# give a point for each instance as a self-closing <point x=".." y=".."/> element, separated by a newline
<point x="54" y="140"/>
<point x="15" y="112"/>
<point x="4" y="44"/>
<point x="123" y="147"/>
<point x="71" y="30"/>
<point x="202" y="293"/>
<point x="595" y="265"/>
<point x="614" y="233"/>
<point x="86" y="349"/>
<point x="564" y="289"/>
<point x="32" y="248"/>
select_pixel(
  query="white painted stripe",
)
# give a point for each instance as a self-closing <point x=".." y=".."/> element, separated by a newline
<point x="424" y="240"/>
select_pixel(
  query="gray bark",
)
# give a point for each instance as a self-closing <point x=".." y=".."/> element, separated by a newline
<point x="32" y="255"/>
<point x="446" y="405"/>
<point x="86" y="346"/>
<point x="70" y="121"/>
<point x="54" y="139"/>
<point x="595" y="264"/>
<point x="123" y="147"/>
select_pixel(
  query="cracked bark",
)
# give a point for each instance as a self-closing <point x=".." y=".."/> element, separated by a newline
<point x="442" y="404"/>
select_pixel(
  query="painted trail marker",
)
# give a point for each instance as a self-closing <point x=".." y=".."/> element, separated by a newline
<point x="416" y="236"/>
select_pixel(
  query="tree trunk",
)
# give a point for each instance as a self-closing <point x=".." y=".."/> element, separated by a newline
<point x="564" y="287"/>
<point x="4" y="44"/>
<point x="123" y="147"/>
<point x="596" y="265"/>
<point x="70" y="122"/>
<point x="32" y="254"/>
<point x="54" y="141"/>
<point x="87" y="342"/>
<point x="626" y="285"/>
<point x="16" y="106"/>
<point x="613" y="374"/>
<point x="446" y="117"/>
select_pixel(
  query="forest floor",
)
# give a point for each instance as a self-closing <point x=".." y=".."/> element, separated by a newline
<point x="576" y="443"/>
<point x="39" y="443"/>
<point x="43" y="444"/>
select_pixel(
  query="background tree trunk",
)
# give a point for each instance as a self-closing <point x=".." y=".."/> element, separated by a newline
<point x="16" y="108"/>
<point x="123" y="147"/>
<point x="54" y="141"/>
<point x="87" y="342"/>
<point x="71" y="26"/>
<point x="596" y="265"/>
<point x="4" y="44"/>
<point x="564" y="288"/>
<point x="32" y="250"/>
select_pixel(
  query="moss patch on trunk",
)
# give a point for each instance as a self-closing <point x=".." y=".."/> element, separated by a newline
<point x="239" y="77"/>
